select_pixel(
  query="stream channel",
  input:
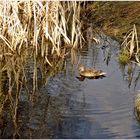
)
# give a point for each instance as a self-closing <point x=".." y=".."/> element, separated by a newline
<point x="99" y="108"/>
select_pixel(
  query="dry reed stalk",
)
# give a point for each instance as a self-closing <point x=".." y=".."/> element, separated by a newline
<point x="131" y="44"/>
<point x="42" y="26"/>
<point x="15" y="72"/>
<point x="45" y="21"/>
<point x="12" y="32"/>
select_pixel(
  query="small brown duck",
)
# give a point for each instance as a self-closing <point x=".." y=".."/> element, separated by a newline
<point x="90" y="73"/>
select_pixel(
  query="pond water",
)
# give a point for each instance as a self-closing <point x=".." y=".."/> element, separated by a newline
<point x="100" y="108"/>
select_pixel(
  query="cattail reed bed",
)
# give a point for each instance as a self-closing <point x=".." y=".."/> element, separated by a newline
<point x="33" y="34"/>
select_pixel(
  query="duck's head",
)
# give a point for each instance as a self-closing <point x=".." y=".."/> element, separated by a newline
<point x="81" y="68"/>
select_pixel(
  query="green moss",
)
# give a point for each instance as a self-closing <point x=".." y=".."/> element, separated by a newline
<point x="124" y="57"/>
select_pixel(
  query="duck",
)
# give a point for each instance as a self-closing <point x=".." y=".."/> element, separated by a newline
<point x="90" y="72"/>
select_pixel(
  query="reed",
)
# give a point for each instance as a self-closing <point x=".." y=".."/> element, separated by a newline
<point x="131" y="45"/>
<point x="40" y="25"/>
<point x="39" y="31"/>
<point x="43" y="29"/>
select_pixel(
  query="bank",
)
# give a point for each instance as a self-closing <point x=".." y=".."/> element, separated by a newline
<point x="114" y="18"/>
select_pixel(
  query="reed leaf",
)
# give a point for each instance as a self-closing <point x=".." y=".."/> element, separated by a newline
<point x="131" y="44"/>
<point x="7" y="43"/>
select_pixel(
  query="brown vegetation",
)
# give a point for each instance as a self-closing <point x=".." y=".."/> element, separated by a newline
<point x="114" y="18"/>
<point x="34" y="34"/>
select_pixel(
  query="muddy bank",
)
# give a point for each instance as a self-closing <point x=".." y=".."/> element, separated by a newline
<point x="113" y="18"/>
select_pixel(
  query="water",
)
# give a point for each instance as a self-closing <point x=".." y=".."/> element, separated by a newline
<point x="102" y="108"/>
<point x="69" y="108"/>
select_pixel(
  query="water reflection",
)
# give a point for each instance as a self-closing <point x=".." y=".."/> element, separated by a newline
<point x="69" y="107"/>
<point x="101" y="108"/>
<point x="131" y="74"/>
<point x="82" y="78"/>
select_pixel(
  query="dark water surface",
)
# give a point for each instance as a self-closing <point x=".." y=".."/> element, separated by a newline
<point x="101" y="108"/>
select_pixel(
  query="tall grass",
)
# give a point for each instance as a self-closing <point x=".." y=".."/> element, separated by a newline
<point x="131" y="51"/>
<point x="42" y="24"/>
<point x="131" y="45"/>
<point x="37" y="30"/>
<point x="42" y="28"/>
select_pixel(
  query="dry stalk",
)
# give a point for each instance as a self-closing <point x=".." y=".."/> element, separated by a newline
<point x="131" y="44"/>
<point x="44" y="27"/>
<point x="45" y="23"/>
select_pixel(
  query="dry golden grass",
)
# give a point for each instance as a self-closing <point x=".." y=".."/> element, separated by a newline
<point x="35" y="29"/>
<point x="131" y="44"/>
<point x="45" y="26"/>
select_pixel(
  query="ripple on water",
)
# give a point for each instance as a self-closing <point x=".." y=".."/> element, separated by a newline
<point x="100" y="108"/>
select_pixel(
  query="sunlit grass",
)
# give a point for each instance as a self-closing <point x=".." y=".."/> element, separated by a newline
<point x="35" y="31"/>
<point x="47" y="26"/>
<point x="130" y="47"/>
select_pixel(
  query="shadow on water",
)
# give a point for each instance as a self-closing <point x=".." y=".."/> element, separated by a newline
<point x="69" y="107"/>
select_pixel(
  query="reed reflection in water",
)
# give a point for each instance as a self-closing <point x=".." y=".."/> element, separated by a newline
<point x="101" y="108"/>
<point x="65" y="107"/>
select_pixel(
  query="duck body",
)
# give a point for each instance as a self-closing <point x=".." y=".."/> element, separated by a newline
<point x="90" y="73"/>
